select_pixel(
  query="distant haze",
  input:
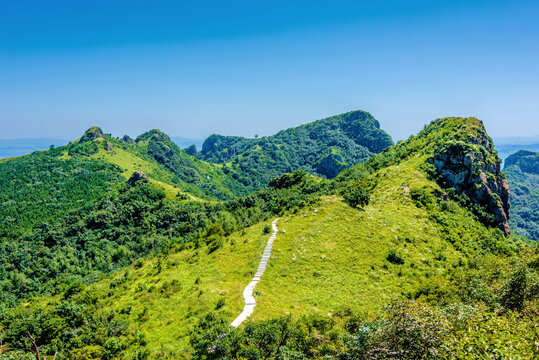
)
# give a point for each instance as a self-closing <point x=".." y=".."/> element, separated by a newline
<point x="17" y="147"/>
<point x="186" y="142"/>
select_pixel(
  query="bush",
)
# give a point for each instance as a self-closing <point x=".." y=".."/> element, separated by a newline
<point x="394" y="257"/>
<point x="355" y="195"/>
<point x="409" y="331"/>
<point x="215" y="245"/>
<point x="266" y="229"/>
<point x="521" y="287"/>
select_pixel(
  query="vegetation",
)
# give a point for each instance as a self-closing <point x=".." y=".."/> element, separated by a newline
<point x="522" y="170"/>
<point x="151" y="270"/>
<point x="136" y="221"/>
<point x="42" y="186"/>
<point x="324" y="148"/>
<point x="355" y="195"/>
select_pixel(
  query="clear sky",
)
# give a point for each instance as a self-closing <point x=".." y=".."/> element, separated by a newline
<point x="192" y="68"/>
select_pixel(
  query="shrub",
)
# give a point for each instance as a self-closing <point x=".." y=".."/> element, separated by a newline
<point x="409" y="331"/>
<point x="355" y="195"/>
<point x="215" y="245"/>
<point x="394" y="257"/>
<point x="220" y="303"/>
<point x="522" y="286"/>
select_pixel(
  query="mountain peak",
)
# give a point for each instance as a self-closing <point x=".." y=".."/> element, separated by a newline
<point x="92" y="133"/>
<point x="153" y="134"/>
<point x="527" y="161"/>
<point x="359" y="115"/>
<point x="466" y="160"/>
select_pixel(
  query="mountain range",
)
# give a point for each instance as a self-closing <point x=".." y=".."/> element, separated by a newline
<point x="134" y="248"/>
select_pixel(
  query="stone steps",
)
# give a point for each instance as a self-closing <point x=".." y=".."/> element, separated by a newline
<point x="248" y="296"/>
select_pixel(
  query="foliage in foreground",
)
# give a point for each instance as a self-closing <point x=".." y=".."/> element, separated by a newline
<point x="496" y="322"/>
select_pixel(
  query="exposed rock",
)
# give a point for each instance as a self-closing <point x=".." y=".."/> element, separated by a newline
<point x="138" y="177"/>
<point x="95" y="133"/>
<point x="473" y="168"/>
<point x="128" y="139"/>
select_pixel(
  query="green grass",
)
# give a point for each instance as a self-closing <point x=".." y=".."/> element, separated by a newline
<point x="129" y="163"/>
<point x="325" y="259"/>
<point x="334" y="256"/>
<point x="190" y="283"/>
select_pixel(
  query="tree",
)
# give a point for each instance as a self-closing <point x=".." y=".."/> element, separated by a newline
<point x="35" y="349"/>
<point x="355" y="195"/>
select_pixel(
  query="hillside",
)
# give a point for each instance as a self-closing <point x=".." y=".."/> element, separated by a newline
<point x="522" y="170"/>
<point x="324" y="148"/>
<point x="424" y="221"/>
<point x="42" y="186"/>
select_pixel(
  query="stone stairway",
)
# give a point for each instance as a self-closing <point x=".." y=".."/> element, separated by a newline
<point x="250" y="301"/>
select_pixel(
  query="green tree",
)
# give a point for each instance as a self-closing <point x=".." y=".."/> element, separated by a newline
<point x="355" y="195"/>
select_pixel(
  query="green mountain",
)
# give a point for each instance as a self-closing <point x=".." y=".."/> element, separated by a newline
<point x="407" y="255"/>
<point x="324" y="148"/>
<point x="43" y="186"/>
<point x="522" y="170"/>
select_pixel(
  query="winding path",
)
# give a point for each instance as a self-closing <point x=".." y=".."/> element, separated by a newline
<point x="250" y="301"/>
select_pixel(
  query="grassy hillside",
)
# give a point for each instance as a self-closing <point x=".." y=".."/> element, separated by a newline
<point x="390" y="228"/>
<point x="43" y="186"/>
<point x="522" y="170"/>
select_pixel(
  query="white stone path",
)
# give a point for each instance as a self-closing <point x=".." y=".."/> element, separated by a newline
<point x="250" y="301"/>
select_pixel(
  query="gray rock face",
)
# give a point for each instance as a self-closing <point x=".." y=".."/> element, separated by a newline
<point x="473" y="169"/>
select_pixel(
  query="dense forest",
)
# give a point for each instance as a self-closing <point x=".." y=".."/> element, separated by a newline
<point x="135" y="249"/>
<point x="41" y="186"/>
<point x="324" y="148"/>
<point x="522" y="170"/>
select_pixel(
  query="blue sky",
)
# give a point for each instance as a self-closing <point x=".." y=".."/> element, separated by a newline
<point x="256" y="67"/>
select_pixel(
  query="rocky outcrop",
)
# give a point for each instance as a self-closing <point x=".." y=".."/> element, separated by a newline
<point x="472" y="168"/>
<point x="95" y="133"/>
<point x="191" y="150"/>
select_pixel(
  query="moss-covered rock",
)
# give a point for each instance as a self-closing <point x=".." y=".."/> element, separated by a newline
<point x="472" y="168"/>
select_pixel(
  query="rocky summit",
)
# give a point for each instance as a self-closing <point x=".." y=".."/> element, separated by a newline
<point x="473" y="168"/>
